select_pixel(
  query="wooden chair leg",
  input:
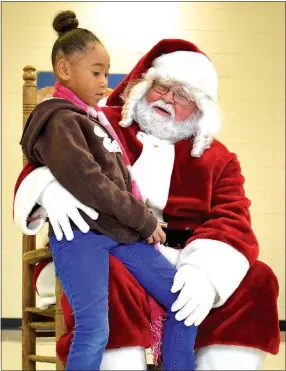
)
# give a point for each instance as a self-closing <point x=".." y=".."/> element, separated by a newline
<point x="60" y="322"/>
<point x="28" y="300"/>
<point x="28" y="344"/>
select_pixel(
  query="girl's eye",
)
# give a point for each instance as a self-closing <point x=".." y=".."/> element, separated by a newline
<point x="106" y="75"/>
<point x="96" y="73"/>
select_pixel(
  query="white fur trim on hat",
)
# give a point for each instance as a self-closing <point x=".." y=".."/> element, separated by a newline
<point x="193" y="70"/>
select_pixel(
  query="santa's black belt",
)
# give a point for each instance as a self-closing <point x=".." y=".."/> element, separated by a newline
<point x="177" y="237"/>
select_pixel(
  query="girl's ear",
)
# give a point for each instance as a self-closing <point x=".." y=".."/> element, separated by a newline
<point x="62" y="69"/>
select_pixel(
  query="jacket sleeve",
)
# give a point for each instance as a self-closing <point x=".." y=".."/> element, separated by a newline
<point x="28" y="216"/>
<point x="224" y="246"/>
<point x="64" y="150"/>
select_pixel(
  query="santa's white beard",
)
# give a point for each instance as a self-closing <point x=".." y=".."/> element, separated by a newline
<point x="164" y="127"/>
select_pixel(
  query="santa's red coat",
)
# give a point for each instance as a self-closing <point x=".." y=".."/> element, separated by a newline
<point x="203" y="196"/>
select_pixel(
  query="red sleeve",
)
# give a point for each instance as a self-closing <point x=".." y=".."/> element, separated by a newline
<point x="28" y="168"/>
<point x="229" y="218"/>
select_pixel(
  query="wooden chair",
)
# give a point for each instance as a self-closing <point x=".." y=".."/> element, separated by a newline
<point x="35" y="321"/>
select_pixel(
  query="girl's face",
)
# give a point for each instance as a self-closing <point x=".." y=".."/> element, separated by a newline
<point x="86" y="73"/>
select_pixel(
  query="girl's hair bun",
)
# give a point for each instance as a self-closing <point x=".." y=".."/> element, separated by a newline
<point x="64" y="22"/>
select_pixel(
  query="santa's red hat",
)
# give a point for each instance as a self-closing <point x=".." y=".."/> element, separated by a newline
<point x="180" y="61"/>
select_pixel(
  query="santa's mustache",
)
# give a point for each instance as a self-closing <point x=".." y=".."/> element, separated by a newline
<point x="168" y="107"/>
<point x="164" y="127"/>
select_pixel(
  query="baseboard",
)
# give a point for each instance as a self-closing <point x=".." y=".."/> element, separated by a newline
<point x="15" y="324"/>
<point x="11" y="323"/>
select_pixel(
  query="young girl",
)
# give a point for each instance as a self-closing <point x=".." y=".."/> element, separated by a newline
<point x="71" y="136"/>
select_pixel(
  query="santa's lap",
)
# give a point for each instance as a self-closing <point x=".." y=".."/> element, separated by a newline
<point x="248" y="318"/>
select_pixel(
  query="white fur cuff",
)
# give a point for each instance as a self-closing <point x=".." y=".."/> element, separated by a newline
<point x="224" y="266"/>
<point x="26" y="198"/>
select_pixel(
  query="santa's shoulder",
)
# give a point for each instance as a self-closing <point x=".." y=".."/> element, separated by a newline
<point x="221" y="148"/>
<point x="219" y="155"/>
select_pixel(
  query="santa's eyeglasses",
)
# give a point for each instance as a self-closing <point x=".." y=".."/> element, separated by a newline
<point x="178" y="96"/>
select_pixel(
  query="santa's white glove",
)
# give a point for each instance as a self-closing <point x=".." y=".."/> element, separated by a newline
<point x="196" y="298"/>
<point x="61" y="205"/>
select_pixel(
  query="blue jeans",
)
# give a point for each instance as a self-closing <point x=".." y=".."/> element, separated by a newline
<point x="82" y="266"/>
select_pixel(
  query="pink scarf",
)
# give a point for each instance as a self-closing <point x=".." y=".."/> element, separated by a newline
<point x="157" y="312"/>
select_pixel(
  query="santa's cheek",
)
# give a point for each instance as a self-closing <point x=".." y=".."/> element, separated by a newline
<point x="182" y="114"/>
<point x="179" y="117"/>
<point x="152" y="96"/>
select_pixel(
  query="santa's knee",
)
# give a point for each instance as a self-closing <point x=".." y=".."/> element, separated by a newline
<point x="262" y="279"/>
<point x="229" y="357"/>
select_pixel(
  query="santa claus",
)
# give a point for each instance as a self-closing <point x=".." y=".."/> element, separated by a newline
<point x="165" y="114"/>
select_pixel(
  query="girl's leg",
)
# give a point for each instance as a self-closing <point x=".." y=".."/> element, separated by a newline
<point x="82" y="267"/>
<point x="154" y="272"/>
